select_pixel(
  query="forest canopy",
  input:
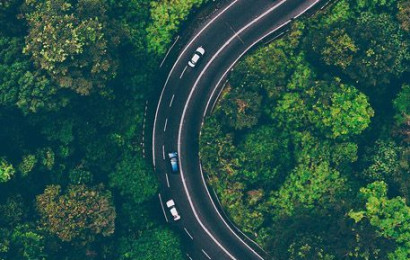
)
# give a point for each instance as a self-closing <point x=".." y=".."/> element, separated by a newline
<point x="74" y="80"/>
<point x="308" y="147"/>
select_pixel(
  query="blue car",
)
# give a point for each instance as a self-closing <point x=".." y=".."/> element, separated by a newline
<point x="173" y="157"/>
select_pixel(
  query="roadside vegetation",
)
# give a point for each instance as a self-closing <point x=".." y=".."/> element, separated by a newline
<point x="74" y="78"/>
<point x="308" y="147"/>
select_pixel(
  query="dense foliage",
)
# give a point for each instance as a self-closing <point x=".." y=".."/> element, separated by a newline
<point x="74" y="78"/>
<point x="167" y="16"/>
<point x="309" y="146"/>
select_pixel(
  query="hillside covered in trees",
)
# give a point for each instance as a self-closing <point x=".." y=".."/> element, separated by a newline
<point x="74" y="79"/>
<point x="308" y="147"/>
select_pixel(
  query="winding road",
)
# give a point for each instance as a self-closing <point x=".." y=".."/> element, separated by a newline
<point x="187" y="97"/>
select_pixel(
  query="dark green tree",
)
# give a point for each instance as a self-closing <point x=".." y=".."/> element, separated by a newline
<point x="241" y="108"/>
<point x="81" y="213"/>
<point x="164" y="242"/>
<point x="368" y="49"/>
<point x="77" y="48"/>
<point x="6" y="170"/>
<point x="391" y="217"/>
<point x="133" y="179"/>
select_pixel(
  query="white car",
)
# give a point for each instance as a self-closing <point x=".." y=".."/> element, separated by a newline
<point x="173" y="210"/>
<point x="200" y="51"/>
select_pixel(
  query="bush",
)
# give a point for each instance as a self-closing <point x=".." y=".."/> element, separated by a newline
<point x="166" y="17"/>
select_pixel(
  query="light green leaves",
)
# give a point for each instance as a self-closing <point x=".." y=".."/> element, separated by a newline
<point x="6" y="170"/>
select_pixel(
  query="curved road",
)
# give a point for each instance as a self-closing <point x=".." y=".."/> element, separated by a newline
<point x="187" y="96"/>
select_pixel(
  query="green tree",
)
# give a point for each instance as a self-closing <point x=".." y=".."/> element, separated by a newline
<point x="382" y="161"/>
<point x="80" y="213"/>
<point x="348" y="114"/>
<point x="28" y="243"/>
<point x="404" y="15"/>
<point x="391" y="217"/>
<point x="9" y="10"/>
<point x="13" y="211"/>
<point x="264" y="155"/>
<point x="309" y="247"/>
<point x="158" y="243"/>
<point x="269" y="67"/>
<point x="6" y="170"/>
<point x="217" y="149"/>
<point x="372" y="5"/>
<point x="370" y="47"/>
<point x="4" y="243"/>
<point x="27" y="164"/>
<point x="339" y="49"/>
<point x="335" y="109"/>
<point x="308" y="186"/>
<point x="240" y="108"/>
<point x="132" y="178"/>
<point x="402" y="106"/>
<point x="167" y="16"/>
<point x="77" y="48"/>
<point x="20" y="84"/>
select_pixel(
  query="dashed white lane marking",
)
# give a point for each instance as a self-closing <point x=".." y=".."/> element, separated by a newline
<point x="166" y="123"/>
<point x="169" y="50"/>
<point x="162" y="206"/>
<point x="163" y="152"/>
<point x="144" y="124"/>
<point x="166" y="176"/>
<point x="189" y="256"/>
<point x="172" y="100"/>
<point x="182" y="74"/>
<point x="172" y="70"/>
<point x="186" y="230"/>
<point x="207" y="256"/>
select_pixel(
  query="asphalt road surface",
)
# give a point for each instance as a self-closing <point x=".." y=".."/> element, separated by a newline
<point x="187" y="97"/>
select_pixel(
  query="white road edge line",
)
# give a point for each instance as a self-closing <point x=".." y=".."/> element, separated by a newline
<point x="169" y="50"/>
<point x="182" y="74"/>
<point x="219" y="94"/>
<point x="166" y="176"/>
<point x="172" y="69"/>
<point x="166" y="123"/>
<point x="162" y="206"/>
<point x="310" y="6"/>
<point x="323" y="7"/>
<point x="240" y="56"/>
<point x="172" y="100"/>
<point x="186" y="230"/>
<point x="182" y="121"/>
<point x="219" y="82"/>
<point x="163" y="152"/>
<point x="207" y="256"/>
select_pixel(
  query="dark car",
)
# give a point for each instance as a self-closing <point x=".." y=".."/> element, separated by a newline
<point x="173" y="157"/>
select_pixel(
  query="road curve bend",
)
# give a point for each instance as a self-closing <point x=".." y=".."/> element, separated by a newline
<point x="187" y="97"/>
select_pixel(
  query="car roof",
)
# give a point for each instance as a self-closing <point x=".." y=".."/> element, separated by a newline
<point x="170" y="203"/>
<point x="195" y="58"/>
<point x="174" y="211"/>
